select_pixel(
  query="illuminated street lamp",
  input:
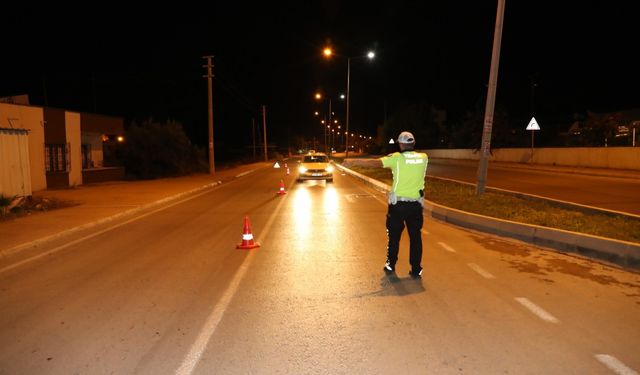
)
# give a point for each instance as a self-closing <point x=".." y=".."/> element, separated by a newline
<point x="328" y="52"/>
<point x="318" y="96"/>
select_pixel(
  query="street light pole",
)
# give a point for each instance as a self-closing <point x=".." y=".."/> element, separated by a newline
<point x="370" y="55"/>
<point x="346" y="142"/>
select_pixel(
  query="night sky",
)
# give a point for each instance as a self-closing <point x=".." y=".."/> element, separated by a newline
<point x="118" y="61"/>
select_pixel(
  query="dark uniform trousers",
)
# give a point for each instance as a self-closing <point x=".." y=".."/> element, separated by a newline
<point x="399" y="214"/>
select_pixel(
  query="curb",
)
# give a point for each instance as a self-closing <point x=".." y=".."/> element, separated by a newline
<point x="621" y="253"/>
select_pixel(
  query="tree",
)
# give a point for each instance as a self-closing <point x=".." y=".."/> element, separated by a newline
<point x="155" y="150"/>
<point x="599" y="129"/>
<point x="468" y="133"/>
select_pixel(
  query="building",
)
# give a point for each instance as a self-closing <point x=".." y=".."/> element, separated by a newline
<point x="42" y="148"/>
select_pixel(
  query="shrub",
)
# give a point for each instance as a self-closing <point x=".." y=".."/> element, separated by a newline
<point x="160" y="150"/>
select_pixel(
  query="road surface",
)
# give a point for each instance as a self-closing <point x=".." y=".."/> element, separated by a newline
<point x="612" y="193"/>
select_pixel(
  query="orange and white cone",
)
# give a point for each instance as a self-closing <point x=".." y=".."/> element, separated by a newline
<point x="281" y="191"/>
<point x="247" y="237"/>
<point x="287" y="171"/>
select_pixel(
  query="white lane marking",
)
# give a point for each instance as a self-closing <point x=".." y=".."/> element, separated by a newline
<point x="349" y="198"/>
<point x="245" y="173"/>
<point x="124" y="214"/>
<point x="211" y="324"/>
<point x="425" y="232"/>
<point x="482" y="272"/>
<point x="447" y="247"/>
<point x="62" y="247"/>
<point x="537" y="310"/>
<point x="615" y="365"/>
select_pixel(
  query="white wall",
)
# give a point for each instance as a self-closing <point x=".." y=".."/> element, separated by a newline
<point x="72" y="131"/>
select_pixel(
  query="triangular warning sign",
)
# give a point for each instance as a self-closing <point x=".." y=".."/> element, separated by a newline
<point x="276" y="165"/>
<point x="533" y="125"/>
<point x="391" y="141"/>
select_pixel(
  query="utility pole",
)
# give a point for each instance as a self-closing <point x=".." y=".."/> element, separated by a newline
<point x="253" y="136"/>
<point x="264" y="128"/>
<point x="327" y="129"/>
<point x="209" y="77"/>
<point x="491" y="99"/>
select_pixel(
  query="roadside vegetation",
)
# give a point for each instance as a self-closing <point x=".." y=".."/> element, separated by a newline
<point x="11" y="208"/>
<point x="156" y="150"/>
<point x="529" y="211"/>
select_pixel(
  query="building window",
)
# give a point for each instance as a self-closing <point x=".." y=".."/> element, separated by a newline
<point x="56" y="158"/>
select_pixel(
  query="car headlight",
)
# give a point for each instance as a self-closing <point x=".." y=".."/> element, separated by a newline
<point x="329" y="169"/>
<point x="302" y="169"/>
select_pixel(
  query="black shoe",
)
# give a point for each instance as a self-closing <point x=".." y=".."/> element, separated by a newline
<point x="416" y="274"/>
<point x="388" y="268"/>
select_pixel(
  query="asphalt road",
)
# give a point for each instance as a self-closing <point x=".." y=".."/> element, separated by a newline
<point x="612" y="193"/>
<point x="167" y="292"/>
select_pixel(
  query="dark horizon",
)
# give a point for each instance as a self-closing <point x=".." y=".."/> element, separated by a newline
<point x="138" y="66"/>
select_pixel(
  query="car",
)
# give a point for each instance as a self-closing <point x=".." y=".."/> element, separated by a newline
<point x="315" y="166"/>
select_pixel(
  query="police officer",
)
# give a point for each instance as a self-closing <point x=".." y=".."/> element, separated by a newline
<point x="406" y="200"/>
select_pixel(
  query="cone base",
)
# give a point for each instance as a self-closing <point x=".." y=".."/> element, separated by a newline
<point x="247" y="246"/>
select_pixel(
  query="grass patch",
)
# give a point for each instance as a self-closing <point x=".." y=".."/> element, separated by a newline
<point x="524" y="210"/>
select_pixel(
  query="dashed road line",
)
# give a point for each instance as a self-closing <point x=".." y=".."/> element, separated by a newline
<point x="615" y="365"/>
<point x="481" y="271"/>
<point x="537" y="310"/>
<point x="447" y="247"/>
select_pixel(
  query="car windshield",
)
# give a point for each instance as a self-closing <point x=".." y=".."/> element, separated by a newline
<point x="315" y="159"/>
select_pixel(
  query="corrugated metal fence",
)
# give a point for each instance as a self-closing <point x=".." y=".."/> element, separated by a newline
<point x="15" y="173"/>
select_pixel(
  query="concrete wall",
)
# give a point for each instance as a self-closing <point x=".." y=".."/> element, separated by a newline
<point x="590" y="157"/>
<point x="32" y="119"/>
<point x="72" y="131"/>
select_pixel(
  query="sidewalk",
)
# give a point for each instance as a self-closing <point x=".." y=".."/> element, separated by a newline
<point x="101" y="202"/>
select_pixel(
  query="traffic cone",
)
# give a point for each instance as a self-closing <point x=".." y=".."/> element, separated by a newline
<point x="287" y="171"/>
<point x="247" y="237"/>
<point x="281" y="191"/>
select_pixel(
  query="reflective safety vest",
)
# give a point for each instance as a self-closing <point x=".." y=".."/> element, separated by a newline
<point x="409" y="170"/>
